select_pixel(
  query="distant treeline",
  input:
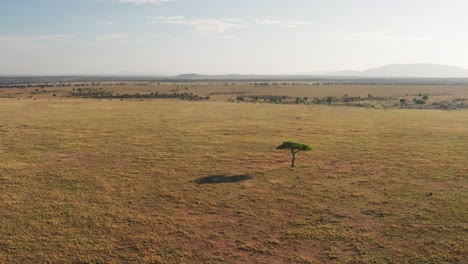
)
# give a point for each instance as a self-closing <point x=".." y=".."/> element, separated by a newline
<point x="419" y="102"/>
<point x="323" y="80"/>
<point x="49" y="85"/>
<point x="307" y="100"/>
<point x="110" y="95"/>
<point x="24" y="86"/>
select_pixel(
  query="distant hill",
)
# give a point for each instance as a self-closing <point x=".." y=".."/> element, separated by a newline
<point x="243" y="77"/>
<point x="419" y="70"/>
<point x="193" y="76"/>
<point x="407" y="74"/>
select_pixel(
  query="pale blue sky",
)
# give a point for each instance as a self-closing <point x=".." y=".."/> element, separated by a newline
<point x="228" y="36"/>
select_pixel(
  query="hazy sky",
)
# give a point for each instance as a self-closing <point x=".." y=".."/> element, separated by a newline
<point x="228" y="36"/>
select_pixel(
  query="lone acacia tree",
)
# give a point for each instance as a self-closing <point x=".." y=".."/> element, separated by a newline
<point x="295" y="148"/>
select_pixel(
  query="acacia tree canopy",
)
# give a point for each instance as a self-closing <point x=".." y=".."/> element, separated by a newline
<point x="294" y="147"/>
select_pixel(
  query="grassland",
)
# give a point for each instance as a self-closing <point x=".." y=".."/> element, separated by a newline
<point x="89" y="181"/>
<point x="444" y="97"/>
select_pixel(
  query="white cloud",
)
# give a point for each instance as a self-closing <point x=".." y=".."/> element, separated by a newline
<point x="132" y="40"/>
<point x="118" y="36"/>
<point x="156" y="35"/>
<point x="115" y="38"/>
<point x="106" y="23"/>
<point x="372" y="36"/>
<point x="223" y="25"/>
<point x="155" y="2"/>
<point x="168" y="18"/>
<point x="139" y="2"/>
<point x="227" y="37"/>
<point x="33" y="38"/>
<point x="203" y="25"/>
<point x="281" y="23"/>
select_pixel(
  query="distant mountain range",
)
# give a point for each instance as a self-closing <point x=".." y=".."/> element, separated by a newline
<point x="246" y="77"/>
<point x="419" y="70"/>
<point x="194" y="76"/>
<point x="420" y="73"/>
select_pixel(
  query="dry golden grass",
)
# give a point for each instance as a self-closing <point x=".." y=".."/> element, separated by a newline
<point x="115" y="181"/>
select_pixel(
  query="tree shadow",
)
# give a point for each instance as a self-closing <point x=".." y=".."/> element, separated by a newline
<point x="217" y="179"/>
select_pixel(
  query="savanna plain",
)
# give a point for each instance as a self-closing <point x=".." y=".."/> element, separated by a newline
<point x="165" y="180"/>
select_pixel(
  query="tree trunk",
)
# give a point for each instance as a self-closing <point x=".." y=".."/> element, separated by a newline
<point x="293" y="158"/>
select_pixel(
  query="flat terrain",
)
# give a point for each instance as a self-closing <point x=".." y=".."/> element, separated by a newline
<point x="172" y="181"/>
<point x="444" y="97"/>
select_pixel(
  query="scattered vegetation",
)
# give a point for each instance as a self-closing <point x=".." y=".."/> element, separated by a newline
<point x="446" y="97"/>
<point x="109" y="95"/>
<point x="357" y="101"/>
